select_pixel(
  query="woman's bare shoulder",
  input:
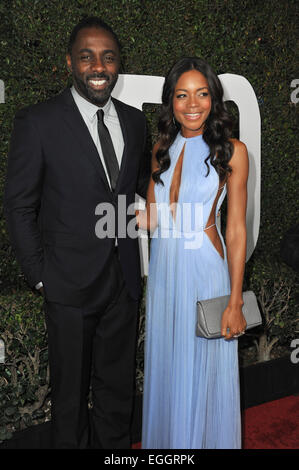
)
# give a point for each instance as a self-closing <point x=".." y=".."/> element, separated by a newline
<point x="238" y="145"/>
<point x="240" y="154"/>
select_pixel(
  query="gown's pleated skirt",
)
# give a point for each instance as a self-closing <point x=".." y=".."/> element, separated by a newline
<point x="191" y="384"/>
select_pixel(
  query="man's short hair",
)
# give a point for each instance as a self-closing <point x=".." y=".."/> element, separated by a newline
<point x="90" y="22"/>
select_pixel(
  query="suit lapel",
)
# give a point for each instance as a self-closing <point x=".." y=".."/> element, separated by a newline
<point x="75" y="122"/>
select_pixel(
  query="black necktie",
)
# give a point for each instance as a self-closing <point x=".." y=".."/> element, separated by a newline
<point x="108" y="150"/>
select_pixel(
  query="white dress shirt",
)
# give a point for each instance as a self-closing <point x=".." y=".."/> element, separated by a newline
<point x="88" y="112"/>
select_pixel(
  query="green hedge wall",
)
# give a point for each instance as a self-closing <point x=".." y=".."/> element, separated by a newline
<point x="253" y="38"/>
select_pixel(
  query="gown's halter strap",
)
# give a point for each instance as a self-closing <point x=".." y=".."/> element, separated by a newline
<point x="213" y="225"/>
<point x="206" y="228"/>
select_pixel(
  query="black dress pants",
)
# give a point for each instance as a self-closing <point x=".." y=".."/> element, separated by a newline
<point x="93" y="348"/>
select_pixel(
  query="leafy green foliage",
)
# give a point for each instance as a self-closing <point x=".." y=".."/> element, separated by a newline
<point x="276" y="288"/>
<point x="24" y="375"/>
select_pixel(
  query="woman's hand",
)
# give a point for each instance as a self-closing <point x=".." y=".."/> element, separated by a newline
<point x="138" y="217"/>
<point x="233" y="323"/>
<point x="147" y="218"/>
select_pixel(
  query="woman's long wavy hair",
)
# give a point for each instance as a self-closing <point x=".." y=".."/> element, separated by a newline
<point x="217" y="127"/>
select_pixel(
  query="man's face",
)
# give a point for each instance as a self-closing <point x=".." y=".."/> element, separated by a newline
<point x="94" y="63"/>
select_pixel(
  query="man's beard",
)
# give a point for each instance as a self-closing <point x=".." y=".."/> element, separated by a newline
<point x="96" y="97"/>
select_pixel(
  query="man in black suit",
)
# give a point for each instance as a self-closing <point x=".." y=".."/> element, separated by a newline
<point x="67" y="160"/>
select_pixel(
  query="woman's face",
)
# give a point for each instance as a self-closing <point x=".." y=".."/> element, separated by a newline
<point x="191" y="102"/>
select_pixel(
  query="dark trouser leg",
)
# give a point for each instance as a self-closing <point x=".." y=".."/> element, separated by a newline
<point x="114" y="373"/>
<point x="70" y="347"/>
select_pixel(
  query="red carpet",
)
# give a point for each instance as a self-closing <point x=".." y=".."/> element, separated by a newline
<point x="273" y="425"/>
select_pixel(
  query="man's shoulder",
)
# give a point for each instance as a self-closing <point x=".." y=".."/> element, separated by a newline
<point x="46" y="108"/>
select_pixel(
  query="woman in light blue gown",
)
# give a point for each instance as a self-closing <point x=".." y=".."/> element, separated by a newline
<point x="191" y="384"/>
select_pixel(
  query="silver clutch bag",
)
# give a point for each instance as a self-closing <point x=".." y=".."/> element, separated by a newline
<point x="209" y="314"/>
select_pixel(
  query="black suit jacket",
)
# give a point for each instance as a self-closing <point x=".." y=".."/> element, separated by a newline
<point x="55" y="181"/>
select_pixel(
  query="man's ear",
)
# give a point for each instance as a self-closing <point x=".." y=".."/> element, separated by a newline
<point x="69" y="62"/>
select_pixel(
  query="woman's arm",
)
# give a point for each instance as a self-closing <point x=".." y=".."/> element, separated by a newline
<point x="147" y="219"/>
<point x="232" y="317"/>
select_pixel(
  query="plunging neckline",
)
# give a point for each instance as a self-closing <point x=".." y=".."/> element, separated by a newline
<point x="170" y="203"/>
<point x="185" y="141"/>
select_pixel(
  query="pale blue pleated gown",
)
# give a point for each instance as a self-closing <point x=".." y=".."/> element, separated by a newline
<point x="191" y="384"/>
